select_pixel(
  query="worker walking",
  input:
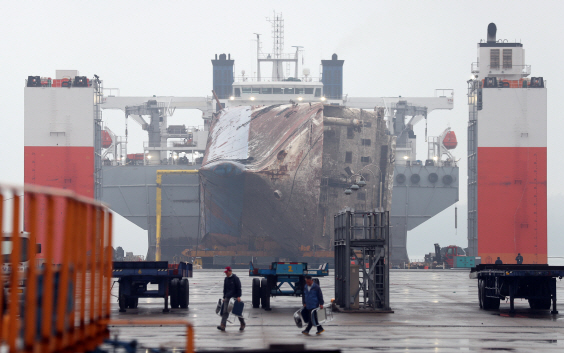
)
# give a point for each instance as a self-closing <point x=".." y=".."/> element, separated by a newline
<point x="498" y="261"/>
<point x="311" y="299"/>
<point x="231" y="289"/>
<point x="519" y="259"/>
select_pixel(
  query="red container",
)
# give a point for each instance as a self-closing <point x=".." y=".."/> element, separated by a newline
<point x="135" y="156"/>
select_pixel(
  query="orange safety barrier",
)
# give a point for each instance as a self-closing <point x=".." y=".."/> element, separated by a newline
<point x="190" y="348"/>
<point x="62" y="303"/>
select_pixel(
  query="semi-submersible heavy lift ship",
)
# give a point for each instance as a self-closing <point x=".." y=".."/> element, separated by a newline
<point x="507" y="178"/>
<point x="196" y="221"/>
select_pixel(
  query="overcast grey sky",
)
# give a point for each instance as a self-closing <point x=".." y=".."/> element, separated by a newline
<point x="390" y="48"/>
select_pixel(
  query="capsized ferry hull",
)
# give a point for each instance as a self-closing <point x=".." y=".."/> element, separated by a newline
<point x="260" y="179"/>
<point x="273" y="177"/>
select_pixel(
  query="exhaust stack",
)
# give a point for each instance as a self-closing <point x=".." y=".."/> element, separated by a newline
<point x="492" y="29"/>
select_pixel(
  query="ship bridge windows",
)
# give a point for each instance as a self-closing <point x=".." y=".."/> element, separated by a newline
<point x="247" y="90"/>
<point x="250" y="90"/>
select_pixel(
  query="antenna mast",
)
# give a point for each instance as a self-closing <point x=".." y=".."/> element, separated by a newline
<point x="277" y="45"/>
<point x="277" y="58"/>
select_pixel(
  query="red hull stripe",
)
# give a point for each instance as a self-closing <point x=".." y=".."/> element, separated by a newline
<point x="512" y="196"/>
<point x="69" y="168"/>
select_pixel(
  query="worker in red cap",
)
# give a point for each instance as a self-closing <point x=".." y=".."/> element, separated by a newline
<point x="231" y="289"/>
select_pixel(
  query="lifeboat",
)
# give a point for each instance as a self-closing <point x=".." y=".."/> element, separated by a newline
<point x="106" y="139"/>
<point x="450" y="140"/>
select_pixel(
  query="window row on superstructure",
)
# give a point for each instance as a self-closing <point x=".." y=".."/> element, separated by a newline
<point x="237" y="91"/>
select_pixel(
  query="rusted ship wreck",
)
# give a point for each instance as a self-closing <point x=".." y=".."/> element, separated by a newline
<point x="274" y="176"/>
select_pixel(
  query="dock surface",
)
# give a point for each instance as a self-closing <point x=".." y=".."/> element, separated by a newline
<point x="434" y="311"/>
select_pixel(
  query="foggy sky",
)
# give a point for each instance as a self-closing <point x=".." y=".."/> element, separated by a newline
<point x="392" y="48"/>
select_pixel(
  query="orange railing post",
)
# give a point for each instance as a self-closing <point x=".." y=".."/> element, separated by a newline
<point x="48" y="295"/>
<point x="92" y="302"/>
<point x="30" y="328"/>
<point x="62" y="292"/>
<point x="13" y="305"/>
<point x="109" y="264"/>
<point x="100" y="267"/>
<point x="81" y="267"/>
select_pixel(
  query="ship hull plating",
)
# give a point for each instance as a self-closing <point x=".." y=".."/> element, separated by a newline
<point x="272" y="180"/>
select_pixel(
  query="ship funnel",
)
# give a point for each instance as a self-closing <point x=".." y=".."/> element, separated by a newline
<point x="492" y="29"/>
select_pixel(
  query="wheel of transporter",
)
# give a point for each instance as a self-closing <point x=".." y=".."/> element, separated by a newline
<point x="132" y="302"/>
<point x="184" y="293"/>
<point x="485" y="300"/>
<point x="265" y="297"/>
<point x="256" y="292"/>
<point x="495" y="302"/>
<point x="540" y="304"/>
<point x="121" y="300"/>
<point x="316" y="280"/>
<point x="173" y="291"/>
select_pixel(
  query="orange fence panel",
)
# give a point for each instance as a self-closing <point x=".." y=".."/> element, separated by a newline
<point x="66" y="289"/>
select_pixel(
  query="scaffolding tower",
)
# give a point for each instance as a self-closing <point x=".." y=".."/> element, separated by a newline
<point x="362" y="275"/>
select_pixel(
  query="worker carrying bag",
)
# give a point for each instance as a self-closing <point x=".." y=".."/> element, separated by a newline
<point x="321" y="316"/>
<point x="234" y="308"/>
<point x="237" y="307"/>
<point x="218" y="308"/>
<point x="298" y="318"/>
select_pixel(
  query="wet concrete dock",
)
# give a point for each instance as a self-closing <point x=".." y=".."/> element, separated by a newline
<point x="435" y="311"/>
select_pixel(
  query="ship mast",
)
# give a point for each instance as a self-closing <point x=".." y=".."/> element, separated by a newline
<point x="277" y="57"/>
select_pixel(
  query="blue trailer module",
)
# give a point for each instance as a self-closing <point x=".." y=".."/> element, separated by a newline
<point x="290" y="273"/>
<point x="536" y="283"/>
<point x="135" y="276"/>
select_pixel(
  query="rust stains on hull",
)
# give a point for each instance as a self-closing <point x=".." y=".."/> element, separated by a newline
<point x="264" y="174"/>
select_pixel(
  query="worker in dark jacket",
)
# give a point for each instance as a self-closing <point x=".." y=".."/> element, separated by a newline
<point x="519" y="259"/>
<point x="498" y="261"/>
<point x="231" y="289"/>
<point x="311" y="299"/>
